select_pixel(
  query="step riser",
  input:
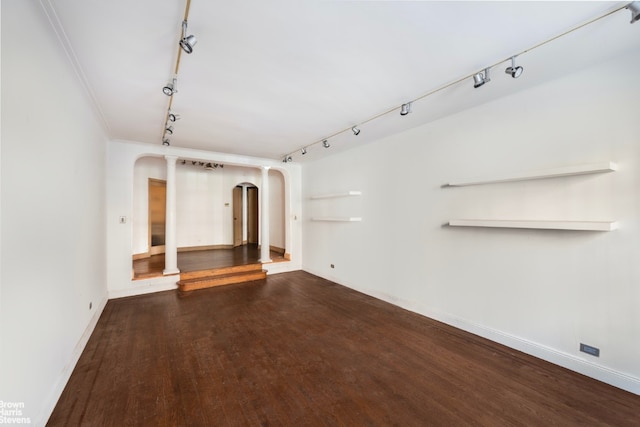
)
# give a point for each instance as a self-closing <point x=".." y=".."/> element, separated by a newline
<point x="220" y="271"/>
<point x="221" y="281"/>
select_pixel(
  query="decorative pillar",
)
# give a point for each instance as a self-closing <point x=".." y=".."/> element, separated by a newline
<point x="264" y="216"/>
<point x="245" y="215"/>
<point x="170" y="246"/>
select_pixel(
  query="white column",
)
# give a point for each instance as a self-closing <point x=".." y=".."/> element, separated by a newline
<point x="170" y="246"/>
<point x="264" y="216"/>
<point x="244" y="214"/>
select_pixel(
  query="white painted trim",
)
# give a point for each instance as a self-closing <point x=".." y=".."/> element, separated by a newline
<point x="549" y="173"/>
<point x="147" y="286"/>
<point x="65" y="374"/>
<point x="548" y="224"/>
<point x="601" y="373"/>
<point x="281" y="267"/>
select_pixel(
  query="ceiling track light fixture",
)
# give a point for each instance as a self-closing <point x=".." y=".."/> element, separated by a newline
<point x="355" y="130"/>
<point x="171" y="87"/>
<point x="169" y="130"/>
<point x="187" y="42"/>
<point x="405" y="109"/>
<point x="634" y="8"/>
<point x="172" y="117"/>
<point x="166" y="142"/>
<point x="481" y="78"/>
<point x="287" y="159"/>
<point x="515" y="71"/>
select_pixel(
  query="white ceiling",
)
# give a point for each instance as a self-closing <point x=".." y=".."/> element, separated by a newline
<point x="267" y="78"/>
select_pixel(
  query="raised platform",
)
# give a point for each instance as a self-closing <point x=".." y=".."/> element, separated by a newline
<point x="201" y="279"/>
<point x="153" y="266"/>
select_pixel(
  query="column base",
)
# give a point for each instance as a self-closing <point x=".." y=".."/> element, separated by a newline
<point x="170" y="271"/>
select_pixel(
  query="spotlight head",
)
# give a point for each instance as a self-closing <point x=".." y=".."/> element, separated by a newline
<point x="209" y="167"/>
<point x="634" y="7"/>
<point x="173" y="117"/>
<point x="166" y="142"/>
<point x="170" y="88"/>
<point x="187" y="42"/>
<point x="513" y="69"/>
<point x="478" y="80"/>
<point x="303" y="151"/>
<point x="405" y="109"/>
<point x="289" y="159"/>
<point x="481" y="78"/>
<point x="169" y="130"/>
<point x="326" y="144"/>
<point x="355" y="130"/>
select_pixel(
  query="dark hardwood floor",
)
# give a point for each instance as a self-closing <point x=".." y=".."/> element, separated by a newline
<point x="202" y="260"/>
<point x="297" y="350"/>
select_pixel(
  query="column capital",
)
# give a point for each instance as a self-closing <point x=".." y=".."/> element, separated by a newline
<point x="265" y="167"/>
<point x="171" y="158"/>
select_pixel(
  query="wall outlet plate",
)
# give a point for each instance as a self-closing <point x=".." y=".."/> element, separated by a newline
<point x="594" y="351"/>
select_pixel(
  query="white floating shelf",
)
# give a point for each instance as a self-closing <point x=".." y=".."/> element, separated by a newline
<point x="337" y="219"/>
<point x="548" y="225"/>
<point x="549" y="173"/>
<point x="335" y="195"/>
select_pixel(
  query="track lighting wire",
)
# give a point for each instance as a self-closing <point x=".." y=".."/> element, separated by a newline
<point x="461" y="79"/>
<point x="177" y="67"/>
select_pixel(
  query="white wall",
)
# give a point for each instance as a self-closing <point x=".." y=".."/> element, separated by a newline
<point x="53" y="214"/>
<point x="123" y="186"/>
<point x="540" y="291"/>
<point x="204" y="202"/>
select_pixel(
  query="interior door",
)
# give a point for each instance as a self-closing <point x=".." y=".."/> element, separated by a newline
<point x="237" y="216"/>
<point x="252" y="215"/>
<point x="157" y="215"/>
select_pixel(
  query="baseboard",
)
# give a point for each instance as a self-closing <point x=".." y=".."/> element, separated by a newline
<point x="281" y="267"/>
<point x="146" y="286"/>
<point x="607" y="375"/>
<point x="569" y="361"/>
<point x="204" y="248"/>
<point x="65" y="374"/>
<point x="141" y="256"/>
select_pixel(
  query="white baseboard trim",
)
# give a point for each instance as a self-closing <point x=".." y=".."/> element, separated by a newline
<point x="281" y="267"/>
<point x="65" y="374"/>
<point x="566" y="360"/>
<point x="605" y="374"/>
<point x="146" y="286"/>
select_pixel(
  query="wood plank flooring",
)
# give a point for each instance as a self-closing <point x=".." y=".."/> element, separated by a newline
<point x="302" y="351"/>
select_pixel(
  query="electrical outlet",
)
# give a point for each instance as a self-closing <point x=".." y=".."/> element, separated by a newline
<point x="590" y="350"/>
<point x="123" y="220"/>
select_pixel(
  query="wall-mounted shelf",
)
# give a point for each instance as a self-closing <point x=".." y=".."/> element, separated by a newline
<point x="335" y="195"/>
<point x="548" y="225"/>
<point x="337" y="219"/>
<point x="600" y="167"/>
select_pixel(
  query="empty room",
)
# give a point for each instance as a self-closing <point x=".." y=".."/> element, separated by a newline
<point x="285" y="213"/>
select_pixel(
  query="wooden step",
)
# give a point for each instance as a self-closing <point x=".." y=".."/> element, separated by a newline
<point x="212" y="272"/>
<point x="221" y="279"/>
